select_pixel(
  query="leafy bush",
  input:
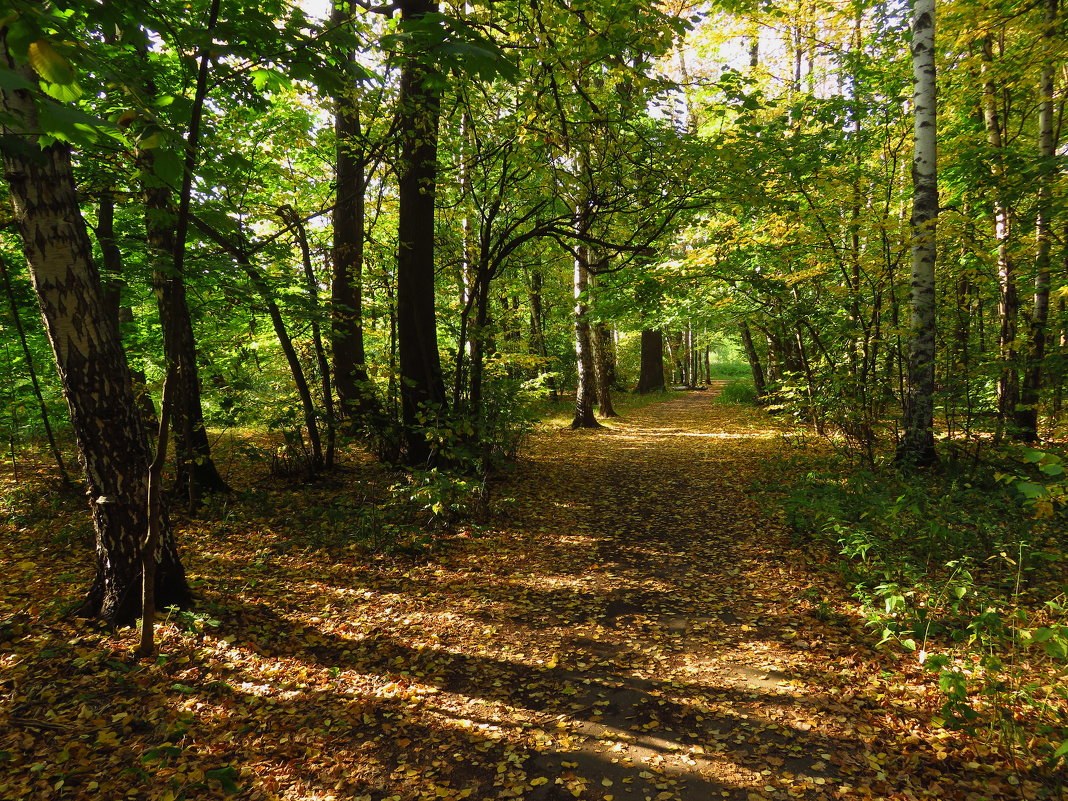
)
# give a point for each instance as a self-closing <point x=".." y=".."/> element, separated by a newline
<point x="966" y="570"/>
<point x="740" y="392"/>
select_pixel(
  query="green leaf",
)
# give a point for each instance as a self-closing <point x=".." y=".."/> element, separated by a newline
<point x="1032" y="455"/>
<point x="1029" y="490"/>
<point x="11" y="81"/>
<point x="1062" y="750"/>
<point x="225" y="776"/>
<point x="70" y="124"/>
<point x="168" y="166"/>
<point x="910" y="644"/>
<point x="65" y="92"/>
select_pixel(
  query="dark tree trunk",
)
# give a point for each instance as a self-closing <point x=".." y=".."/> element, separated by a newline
<point x="478" y="339"/>
<point x="196" y="471"/>
<point x="537" y="324"/>
<point x="602" y="367"/>
<point x="1026" y="417"/>
<point x="111" y="258"/>
<point x="166" y="230"/>
<point x="354" y="389"/>
<point x="113" y="285"/>
<point x="759" y="384"/>
<point x="651" y="378"/>
<point x="422" y="388"/>
<point x="92" y="368"/>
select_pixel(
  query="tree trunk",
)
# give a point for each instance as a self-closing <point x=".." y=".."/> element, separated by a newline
<point x="422" y="388"/>
<point x="239" y="251"/>
<point x="292" y="219"/>
<point x="916" y="448"/>
<point x="354" y="389"/>
<point x="602" y="372"/>
<point x="477" y="339"/>
<point x="1008" y="299"/>
<point x="587" y="378"/>
<point x="111" y="258"/>
<point x="537" y="326"/>
<point x="651" y="377"/>
<point x="603" y="368"/>
<point x="1026" y="417"/>
<point x="166" y="231"/>
<point x="759" y="384"/>
<point x="92" y="368"/>
<point x="196" y="471"/>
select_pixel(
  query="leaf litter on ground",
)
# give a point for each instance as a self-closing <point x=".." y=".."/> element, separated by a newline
<point x="633" y="622"/>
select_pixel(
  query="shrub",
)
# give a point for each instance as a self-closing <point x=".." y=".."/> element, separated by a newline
<point x="967" y="571"/>
<point x="739" y="392"/>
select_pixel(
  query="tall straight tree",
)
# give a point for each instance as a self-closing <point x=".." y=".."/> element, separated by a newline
<point x="1026" y="418"/>
<point x="190" y="437"/>
<point x="916" y="448"/>
<point x="166" y="225"/>
<point x="110" y="434"/>
<point x="422" y="387"/>
<point x="1008" y="293"/>
<point x="346" y="284"/>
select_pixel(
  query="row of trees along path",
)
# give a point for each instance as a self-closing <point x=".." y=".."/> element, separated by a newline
<point x="634" y="624"/>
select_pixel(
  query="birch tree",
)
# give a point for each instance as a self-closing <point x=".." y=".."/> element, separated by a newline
<point x="916" y="448"/>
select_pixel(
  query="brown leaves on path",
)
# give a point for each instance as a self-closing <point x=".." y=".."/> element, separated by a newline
<point x="633" y="624"/>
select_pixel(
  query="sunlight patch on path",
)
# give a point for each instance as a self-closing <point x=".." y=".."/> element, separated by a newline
<point x="679" y="680"/>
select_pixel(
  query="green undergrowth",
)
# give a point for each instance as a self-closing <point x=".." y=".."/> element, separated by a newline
<point x="966" y="568"/>
<point x="721" y="370"/>
<point x="738" y="392"/>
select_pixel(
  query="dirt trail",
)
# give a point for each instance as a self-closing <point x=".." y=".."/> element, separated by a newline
<point x="681" y="664"/>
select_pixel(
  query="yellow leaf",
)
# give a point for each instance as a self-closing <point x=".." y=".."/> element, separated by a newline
<point x="50" y="65"/>
<point x="538" y="782"/>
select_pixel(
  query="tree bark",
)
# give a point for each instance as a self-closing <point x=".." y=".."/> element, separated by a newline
<point x="602" y="368"/>
<point x="916" y="448"/>
<point x="166" y="230"/>
<point x="1008" y="298"/>
<point x="196" y="471"/>
<point x="111" y="438"/>
<point x="651" y="377"/>
<point x="422" y="387"/>
<point x="537" y="325"/>
<point x="111" y="258"/>
<point x="759" y="384"/>
<point x="586" y="390"/>
<point x="292" y="219"/>
<point x="354" y="389"/>
<point x="1026" y="417"/>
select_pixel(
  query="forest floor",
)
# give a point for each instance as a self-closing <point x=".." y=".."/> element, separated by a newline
<point x="633" y="621"/>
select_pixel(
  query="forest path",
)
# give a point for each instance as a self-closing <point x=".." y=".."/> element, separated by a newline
<point x="633" y="623"/>
<point x="674" y="618"/>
